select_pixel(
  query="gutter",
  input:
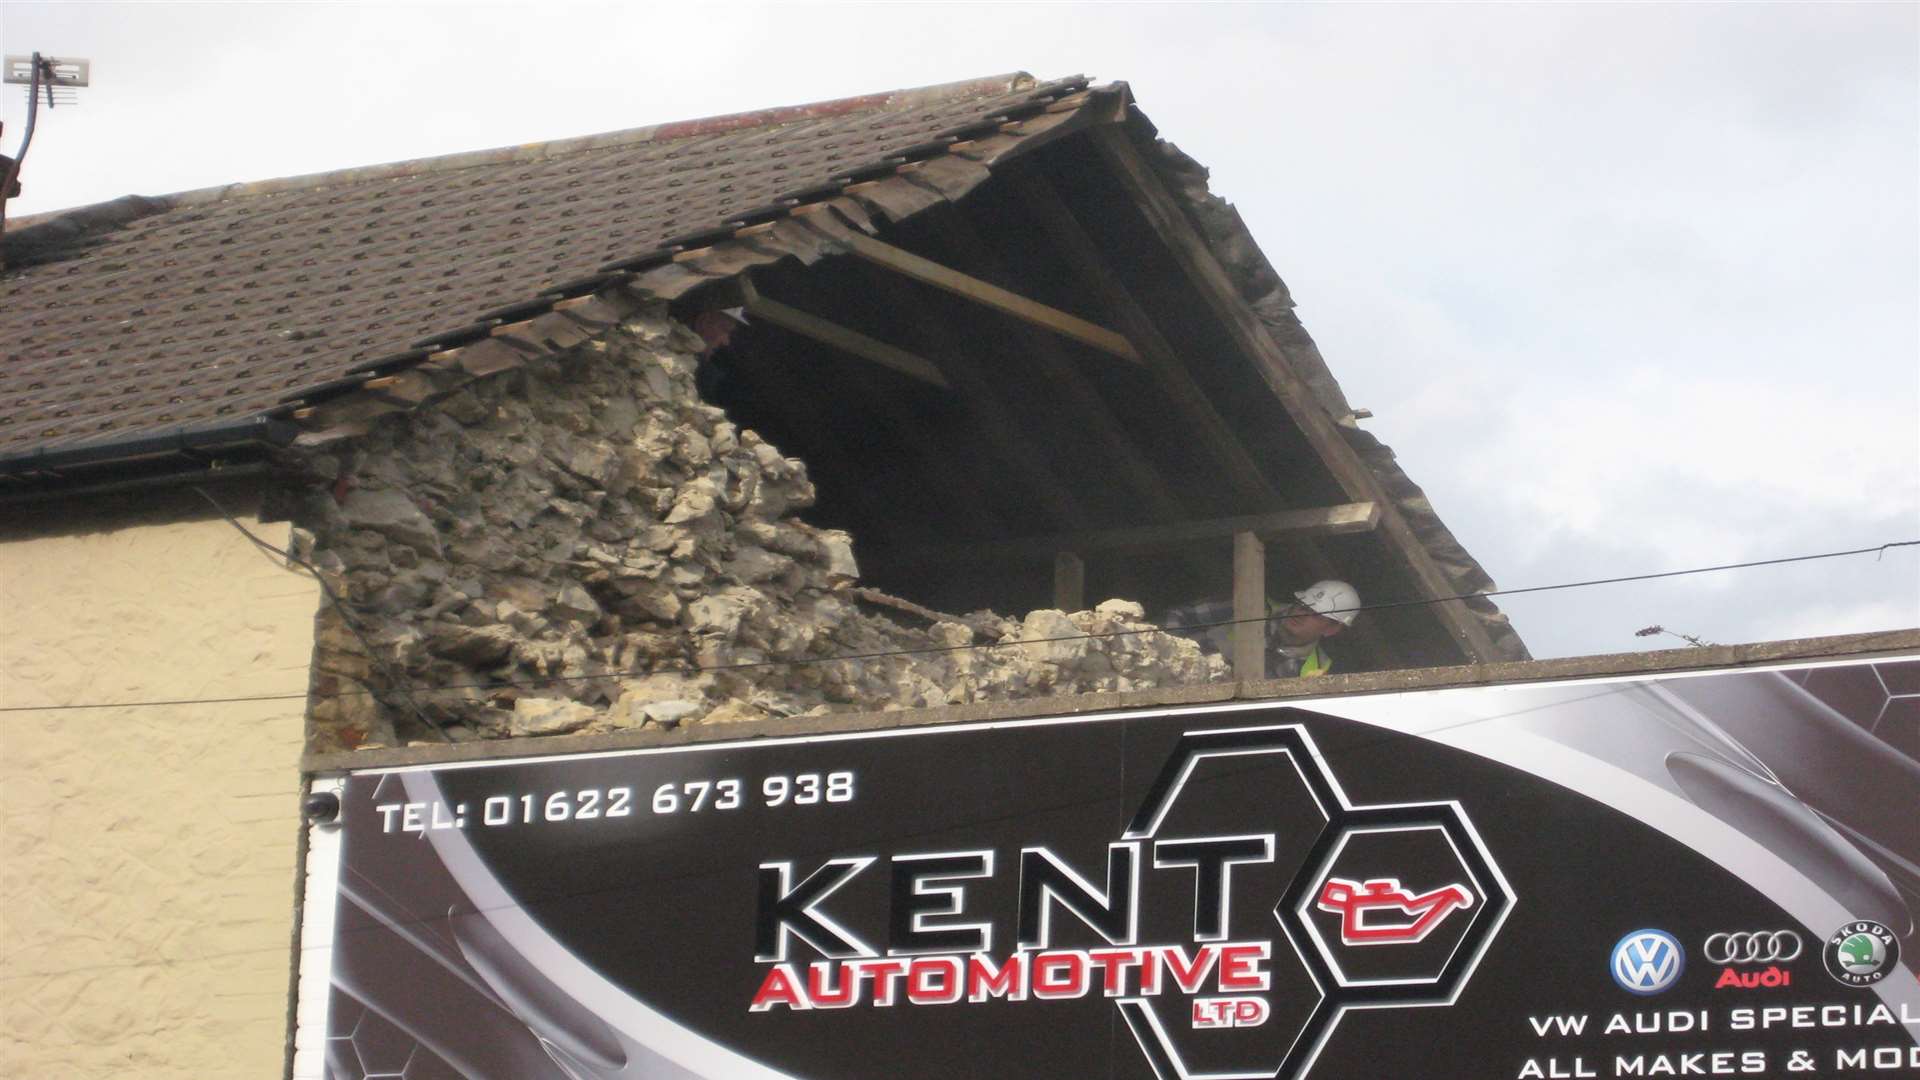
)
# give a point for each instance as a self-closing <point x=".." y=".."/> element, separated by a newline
<point x="169" y="457"/>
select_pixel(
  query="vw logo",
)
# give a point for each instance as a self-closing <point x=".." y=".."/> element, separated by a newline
<point x="1648" y="961"/>
<point x="1757" y="947"/>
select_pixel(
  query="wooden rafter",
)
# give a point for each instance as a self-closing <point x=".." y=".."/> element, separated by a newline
<point x="1317" y="521"/>
<point x="1241" y="473"/>
<point x="1196" y="258"/>
<point x="899" y="423"/>
<point x="1236" y="466"/>
<point x="1081" y="402"/>
<point x="832" y="464"/>
<point x="939" y="341"/>
<point x="835" y="336"/>
<point x="926" y="271"/>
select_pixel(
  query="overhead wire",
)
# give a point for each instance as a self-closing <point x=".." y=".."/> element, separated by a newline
<point x="689" y="666"/>
<point x="1383" y="739"/>
<point x="1386" y="738"/>
<point x="340" y="607"/>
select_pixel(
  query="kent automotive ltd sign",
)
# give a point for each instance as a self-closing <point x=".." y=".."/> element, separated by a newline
<point x="1239" y="892"/>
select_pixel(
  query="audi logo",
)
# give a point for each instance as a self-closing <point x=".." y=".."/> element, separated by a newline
<point x="1757" y="947"/>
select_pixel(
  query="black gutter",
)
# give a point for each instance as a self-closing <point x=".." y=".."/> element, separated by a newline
<point x="263" y="432"/>
<point x="210" y="475"/>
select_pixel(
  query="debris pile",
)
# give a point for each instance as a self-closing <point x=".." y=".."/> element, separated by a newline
<point x="583" y="544"/>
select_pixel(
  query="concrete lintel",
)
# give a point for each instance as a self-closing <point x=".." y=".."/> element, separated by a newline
<point x="1668" y="661"/>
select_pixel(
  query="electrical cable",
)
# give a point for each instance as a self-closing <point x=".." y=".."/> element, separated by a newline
<point x="1386" y="738"/>
<point x="688" y="666"/>
<point x="394" y="678"/>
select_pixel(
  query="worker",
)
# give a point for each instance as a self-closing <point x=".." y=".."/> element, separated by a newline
<point x="1294" y="630"/>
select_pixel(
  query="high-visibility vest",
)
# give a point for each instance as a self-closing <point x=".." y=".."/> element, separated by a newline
<point x="1315" y="663"/>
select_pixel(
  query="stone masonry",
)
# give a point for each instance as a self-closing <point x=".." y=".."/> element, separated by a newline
<point x="582" y="544"/>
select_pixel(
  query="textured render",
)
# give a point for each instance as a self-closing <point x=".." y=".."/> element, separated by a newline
<point x="147" y="854"/>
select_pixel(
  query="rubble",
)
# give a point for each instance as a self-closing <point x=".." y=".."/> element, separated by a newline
<point x="583" y="544"/>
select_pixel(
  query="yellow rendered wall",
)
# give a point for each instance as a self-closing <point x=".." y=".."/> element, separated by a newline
<point x="147" y="854"/>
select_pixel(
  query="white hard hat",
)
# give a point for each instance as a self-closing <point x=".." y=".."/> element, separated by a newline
<point x="1336" y="600"/>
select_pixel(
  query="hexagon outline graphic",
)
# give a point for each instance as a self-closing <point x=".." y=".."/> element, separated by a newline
<point x="1343" y="819"/>
<point x="1300" y="913"/>
<point x="1472" y="852"/>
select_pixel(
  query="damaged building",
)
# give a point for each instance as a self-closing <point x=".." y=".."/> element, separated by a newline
<point x="988" y="348"/>
<point x="913" y="401"/>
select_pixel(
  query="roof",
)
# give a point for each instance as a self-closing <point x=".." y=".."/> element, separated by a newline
<point x="149" y="315"/>
<point x="151" y="326"/>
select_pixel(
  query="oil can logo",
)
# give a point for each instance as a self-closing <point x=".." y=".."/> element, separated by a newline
<point x="1861" y="953"/>
<point x="1420" y="914"/>
<point x="1648" y="962"/>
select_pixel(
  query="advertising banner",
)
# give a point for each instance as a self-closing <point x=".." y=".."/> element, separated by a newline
<point x="1694" y="875"/>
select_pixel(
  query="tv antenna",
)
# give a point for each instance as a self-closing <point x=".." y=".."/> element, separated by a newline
<point x="47" y="77"/>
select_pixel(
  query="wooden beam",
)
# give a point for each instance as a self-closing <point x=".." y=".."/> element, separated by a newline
<point x="1237" y="467"/>
<point x="928" y="272"/>
<point x="1282" y="524"/>
<point x="1069" y="582"/>
<point x="902" y="423"/>
<point x="1249" y="606"/>
<point x="1081" y="403"/>
<point x="838" y="337"/>
<point x="833" y="468"/>
<point x="1164" y="213"/>
<point x="1020" y="458"/>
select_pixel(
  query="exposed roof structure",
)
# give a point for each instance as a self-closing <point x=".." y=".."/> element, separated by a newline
<point x="146" y="314"/>
<point x="246" y="315"/>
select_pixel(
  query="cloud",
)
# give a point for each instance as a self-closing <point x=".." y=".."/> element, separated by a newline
<point x="1687" y="467"/>
<point x="1852" y="617"/>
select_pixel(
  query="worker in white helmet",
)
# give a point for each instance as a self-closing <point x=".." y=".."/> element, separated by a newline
<point x="1295" y="630"/>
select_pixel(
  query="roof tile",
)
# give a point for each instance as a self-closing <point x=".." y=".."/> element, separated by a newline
<point x="212" y="305"/>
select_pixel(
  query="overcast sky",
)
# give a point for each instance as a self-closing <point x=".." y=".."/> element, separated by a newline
<point x="1628" y="287"/>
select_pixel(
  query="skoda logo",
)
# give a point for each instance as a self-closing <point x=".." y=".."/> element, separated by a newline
<point x="1648" y="961"/>
<point x="1756" y="947"/>
<point x="1861" y="953"/>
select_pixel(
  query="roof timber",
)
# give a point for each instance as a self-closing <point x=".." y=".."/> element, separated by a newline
<point x="1090" y="263"/>
<point x="832" y="334"/>
<point x="1315" y="521"/>
<point x="928" y="272"/>
<point x="1242" y="473"/>
<point x="935" y="338"/>
<point x="1203" y="268"/>
<point x="894" y="417"/>
<point x="1078" y="396"/>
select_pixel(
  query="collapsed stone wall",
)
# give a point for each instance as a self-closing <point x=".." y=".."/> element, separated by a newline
<point x="583" y="544"/>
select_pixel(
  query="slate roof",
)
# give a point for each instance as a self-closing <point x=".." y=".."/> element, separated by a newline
<point x="136" y="327"/>
<point x="150" y="315"/>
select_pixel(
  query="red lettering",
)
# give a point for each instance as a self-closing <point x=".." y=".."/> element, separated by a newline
<point x="1113" y="964"/>
<point x="1060" y="975"/>
<point x="934" y="980"/>
<point x="885" y="975"/>
<point x="1240" y="967"/>
<point x="820" y="989"/>
<point x="984" y="981"/>
<point x="1188" y="974"/>
<point x="778" y="988"/>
